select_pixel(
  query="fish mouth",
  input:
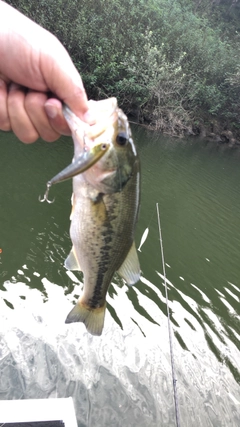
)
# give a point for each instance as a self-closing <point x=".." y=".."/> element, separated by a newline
<point x="106" y="111"/>
<point x="98" y="129"/>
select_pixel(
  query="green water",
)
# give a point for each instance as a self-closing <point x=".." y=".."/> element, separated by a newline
<point x="196" y="184"/>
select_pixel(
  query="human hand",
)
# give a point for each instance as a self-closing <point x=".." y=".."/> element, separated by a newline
<point x="34" y="64"/>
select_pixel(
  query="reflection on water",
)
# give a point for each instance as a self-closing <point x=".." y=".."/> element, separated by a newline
<point x="125" y="375"/>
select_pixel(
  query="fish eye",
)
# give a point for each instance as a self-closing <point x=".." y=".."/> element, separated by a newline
<point x="122" y="139"/>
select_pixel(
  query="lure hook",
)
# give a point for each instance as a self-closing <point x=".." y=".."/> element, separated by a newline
<point x="45" y="197"/>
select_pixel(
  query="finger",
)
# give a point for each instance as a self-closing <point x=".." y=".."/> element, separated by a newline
<point x="4" y="119"/>
<point x="53" y="109"/>
<point x="34" y="106"/>
<point x="34" y="58"/>
<point x="63" y="79"/>
<point x="20" y="122"/>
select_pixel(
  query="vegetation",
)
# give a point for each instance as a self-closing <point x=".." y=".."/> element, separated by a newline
<point x="173" y="64"/>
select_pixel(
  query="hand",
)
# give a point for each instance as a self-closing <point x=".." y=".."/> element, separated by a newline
<point x="34" y="64"/>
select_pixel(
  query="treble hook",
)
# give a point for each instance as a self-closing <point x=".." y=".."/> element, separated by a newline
<point x="45" y="197"/>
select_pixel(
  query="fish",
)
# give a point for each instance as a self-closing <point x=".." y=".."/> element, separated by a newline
<point x="143" y="239"/>
<point x="105" y="208"/>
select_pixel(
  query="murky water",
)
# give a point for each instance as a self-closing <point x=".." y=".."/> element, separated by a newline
<point x="124" y="377"/>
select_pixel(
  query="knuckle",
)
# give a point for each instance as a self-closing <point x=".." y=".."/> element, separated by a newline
<point x="4" y="119"/>
<point x="5" y="127"/>
<point x="49" y="135"/>
<point x="33" y="97"/>
<point x="51" y="138"/>
<point x="79" y="90"/>
<point x="28" y="137"/>
<point x="4" y="124"/>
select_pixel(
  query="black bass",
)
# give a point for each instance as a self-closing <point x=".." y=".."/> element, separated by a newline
<point x="105" y="205"/>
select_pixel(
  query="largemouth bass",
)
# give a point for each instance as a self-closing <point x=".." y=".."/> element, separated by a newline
<point x="105" y="206"/>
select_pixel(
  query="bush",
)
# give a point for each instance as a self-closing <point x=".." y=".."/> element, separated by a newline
<point x="163" y="61"/>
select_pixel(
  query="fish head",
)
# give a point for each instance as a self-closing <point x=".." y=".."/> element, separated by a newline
<point x="115" y="168"/>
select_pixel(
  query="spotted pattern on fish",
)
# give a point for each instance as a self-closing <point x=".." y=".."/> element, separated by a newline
<point x="104" y="259"/>
<point x="106" y="204"/>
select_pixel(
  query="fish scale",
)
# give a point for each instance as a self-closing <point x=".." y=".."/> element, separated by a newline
<point x="105" y="205"/>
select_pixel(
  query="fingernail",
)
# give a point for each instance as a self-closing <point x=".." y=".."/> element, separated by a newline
<point x="89" y="117"/>
<point x="51" y="111"/>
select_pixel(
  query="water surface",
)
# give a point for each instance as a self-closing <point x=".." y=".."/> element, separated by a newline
<point x="124" y="377"/>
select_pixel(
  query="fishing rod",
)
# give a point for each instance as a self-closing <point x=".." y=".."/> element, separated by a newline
<point x="174" y="380"/>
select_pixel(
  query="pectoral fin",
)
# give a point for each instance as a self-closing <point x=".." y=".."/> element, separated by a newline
<point x="130" y="269"/>
<point x="71" y="262"/>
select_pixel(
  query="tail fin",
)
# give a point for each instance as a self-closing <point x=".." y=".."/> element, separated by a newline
<point x="93" y="318"/>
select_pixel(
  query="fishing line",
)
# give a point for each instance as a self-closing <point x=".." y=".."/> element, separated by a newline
<point x="174" y="380"/>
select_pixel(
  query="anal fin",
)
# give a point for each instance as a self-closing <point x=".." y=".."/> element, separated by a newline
<point x="130" y="269"/>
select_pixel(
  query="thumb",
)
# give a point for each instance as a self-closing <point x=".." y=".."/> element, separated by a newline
<point x="63" y="79"/>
